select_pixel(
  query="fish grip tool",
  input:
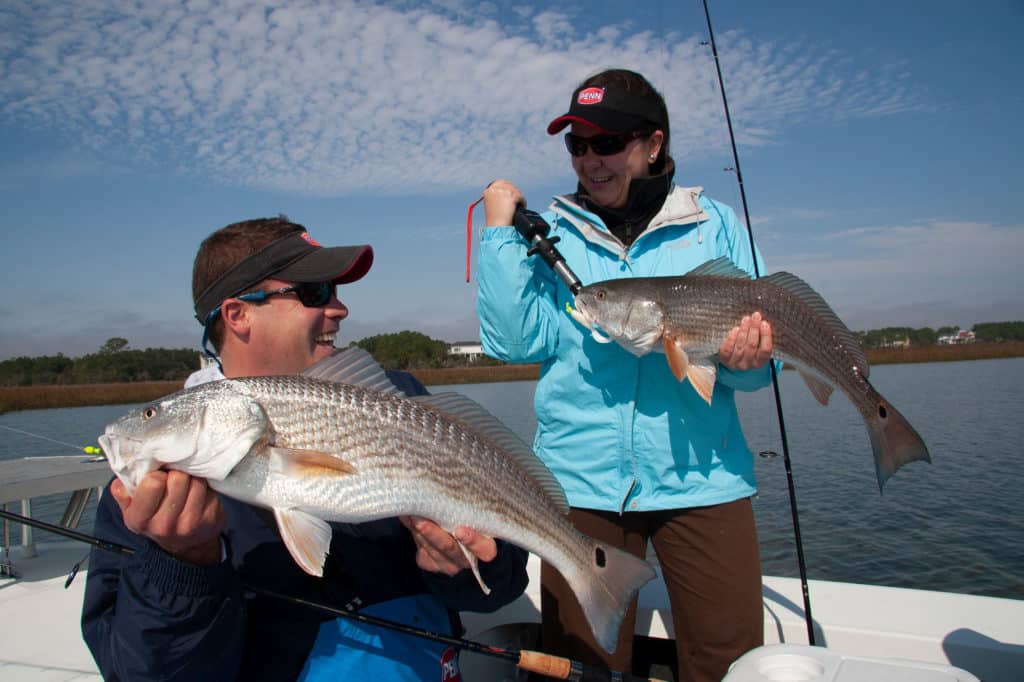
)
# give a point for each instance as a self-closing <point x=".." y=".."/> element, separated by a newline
<point x="554" y="667"/>
<point x="534" y="229"/>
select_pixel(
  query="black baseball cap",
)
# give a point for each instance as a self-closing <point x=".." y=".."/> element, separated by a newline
<point x="295" y="257"/>
<point x="612" y="110"/>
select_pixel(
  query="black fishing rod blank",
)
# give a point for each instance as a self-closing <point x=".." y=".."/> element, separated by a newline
<point x="534" y="229"/>
<point x="775" y="378"/>
<point x="538" y="662"/>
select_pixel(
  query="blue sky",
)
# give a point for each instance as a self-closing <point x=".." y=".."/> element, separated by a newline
<point x="880" y="144"/>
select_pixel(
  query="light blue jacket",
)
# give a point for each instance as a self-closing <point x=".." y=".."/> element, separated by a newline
<point x="619" y="432"/>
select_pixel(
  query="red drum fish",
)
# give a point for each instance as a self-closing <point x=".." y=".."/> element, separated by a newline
<point x="688" y="318"/>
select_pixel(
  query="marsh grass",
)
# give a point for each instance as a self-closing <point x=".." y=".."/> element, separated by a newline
<point x="80" y="395"/>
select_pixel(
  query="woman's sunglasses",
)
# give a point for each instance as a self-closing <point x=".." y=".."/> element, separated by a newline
<point x="603" y="145"/>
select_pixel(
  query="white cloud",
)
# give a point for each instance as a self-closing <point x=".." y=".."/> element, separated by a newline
<point x="927" y="274"/>
<point x="332" y="98"/>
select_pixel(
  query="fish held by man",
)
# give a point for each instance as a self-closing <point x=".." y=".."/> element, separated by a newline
<point x="688" y="318"/>
<point x="341" y="443"/>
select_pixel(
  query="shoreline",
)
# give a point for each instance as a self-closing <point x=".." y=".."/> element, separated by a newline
<point x="15" y="398"/>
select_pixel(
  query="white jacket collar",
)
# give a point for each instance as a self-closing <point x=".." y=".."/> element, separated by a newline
<point x="681" y="207"/>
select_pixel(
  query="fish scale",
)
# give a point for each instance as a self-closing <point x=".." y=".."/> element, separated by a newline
<point x="315" y="450"/>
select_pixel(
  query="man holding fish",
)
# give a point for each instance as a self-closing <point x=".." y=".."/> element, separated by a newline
<point x="265" y="293"/>
<point x="642" y="456"/>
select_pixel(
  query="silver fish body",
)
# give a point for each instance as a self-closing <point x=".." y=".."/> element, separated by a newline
<point x="328" y="451"/>
<point x="688" y="318"/>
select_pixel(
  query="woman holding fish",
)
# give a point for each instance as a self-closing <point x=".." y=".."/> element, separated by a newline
<point x="642" y="457"/>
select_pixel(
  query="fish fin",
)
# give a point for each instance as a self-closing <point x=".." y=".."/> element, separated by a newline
<point x="458" y="407"/>
<point x="678" y="361"/>
<point x="307" y="538"/>
<point x="606" y="588"/>
<point x="719" y="267"/>
<point x="893" y="441"/>
<point x="813" y="300"/>
<point x="819" y="389"/>
<point x="702" y="377"/>
<point x="353" y="366"/>
<point x="289" y="459"/>
<point x="474" y="565"/>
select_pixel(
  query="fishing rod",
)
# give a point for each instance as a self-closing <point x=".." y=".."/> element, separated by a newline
<point x="538" y="662"/>
<point x="534" y="229"/>
<point x="87" y="449"/>
<point x="775" y="377"/>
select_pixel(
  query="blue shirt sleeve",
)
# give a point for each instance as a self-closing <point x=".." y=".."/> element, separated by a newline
<point x="516" y="299"/>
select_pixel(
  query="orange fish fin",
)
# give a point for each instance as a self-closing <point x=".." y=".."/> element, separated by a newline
<point x="819" y="389"/>
<point x="702" y="377"/>
<point x="678" y="361"/>
<point x="290" y="458"/>
<point x="307" y="538"/>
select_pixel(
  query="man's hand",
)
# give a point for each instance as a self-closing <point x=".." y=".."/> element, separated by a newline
<point x="180" y="513"/>
<point x="748" y="345"/>
<point x="438" y="550"/>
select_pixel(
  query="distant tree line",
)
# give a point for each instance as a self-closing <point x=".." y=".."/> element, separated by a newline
<point x="992" y="332"/>
<point x="413" y="350"/>
<point x="108" y="365"/>
<point x="114" y="362"/>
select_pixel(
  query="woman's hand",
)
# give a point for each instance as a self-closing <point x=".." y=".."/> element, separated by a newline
<point x="747" y="346"/>
<point x="500" y="200"/>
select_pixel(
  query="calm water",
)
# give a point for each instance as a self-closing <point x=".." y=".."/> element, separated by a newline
<point x="954" y="525"/>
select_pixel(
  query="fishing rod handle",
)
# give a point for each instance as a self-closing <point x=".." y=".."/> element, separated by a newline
<point x="565" y="669"/>
<point x="534" y="229"/>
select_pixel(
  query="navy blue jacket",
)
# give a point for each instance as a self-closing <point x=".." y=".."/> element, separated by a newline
<point x="148" y="616"/>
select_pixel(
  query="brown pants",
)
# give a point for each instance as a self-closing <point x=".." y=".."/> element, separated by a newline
<point x="711" y="564"/>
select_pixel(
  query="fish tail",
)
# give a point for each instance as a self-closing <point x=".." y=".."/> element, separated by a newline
<point x="894" y="442"/>
<point x="607" y="589"/>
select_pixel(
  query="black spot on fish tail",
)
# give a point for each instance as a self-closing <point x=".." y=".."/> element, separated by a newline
<point x="599" y="557"/>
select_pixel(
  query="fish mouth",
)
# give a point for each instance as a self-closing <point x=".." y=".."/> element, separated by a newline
<point x="121" y="453"/>
<point x="581" y="315"/>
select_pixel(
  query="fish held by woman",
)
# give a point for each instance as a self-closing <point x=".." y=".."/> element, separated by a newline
<point x="688" y="318"/>
<point x="340" y="443"/>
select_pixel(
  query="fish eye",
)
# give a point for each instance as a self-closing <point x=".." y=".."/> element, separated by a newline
<point x="148" y="413"/>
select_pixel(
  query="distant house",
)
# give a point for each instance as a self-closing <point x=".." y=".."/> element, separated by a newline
<point x="470" y="349"/>
<point x="962" y="336"/>
<point x="896" y="343"/>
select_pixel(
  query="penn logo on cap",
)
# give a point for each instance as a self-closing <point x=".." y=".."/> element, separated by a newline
<point x="590" y="96"/>
<point x="305" y="235"/>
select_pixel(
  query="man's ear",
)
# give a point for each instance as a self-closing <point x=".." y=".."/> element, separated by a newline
<point x="236" y="317"/>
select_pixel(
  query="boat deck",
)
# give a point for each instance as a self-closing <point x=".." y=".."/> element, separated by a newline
<point x="41" y="639"/>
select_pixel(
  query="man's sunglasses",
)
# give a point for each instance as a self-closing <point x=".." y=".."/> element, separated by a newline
<point x="310" y="294"/>
<point x="603" y="145"/>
